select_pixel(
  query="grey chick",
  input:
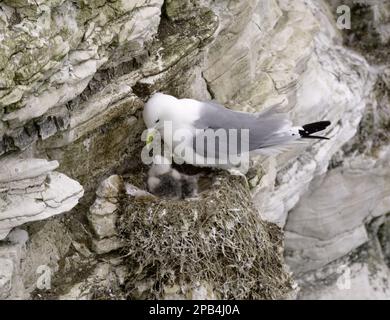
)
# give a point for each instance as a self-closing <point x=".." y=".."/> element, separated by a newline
<point x="166" y="182"/>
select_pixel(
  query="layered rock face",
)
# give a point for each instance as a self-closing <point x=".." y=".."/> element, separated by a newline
<point x="74" y="76"/>
<point x="334" y="235"/>
<point x="32" y="192"/>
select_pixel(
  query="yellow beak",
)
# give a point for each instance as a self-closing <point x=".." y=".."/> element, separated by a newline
<point x="150" y="136"/>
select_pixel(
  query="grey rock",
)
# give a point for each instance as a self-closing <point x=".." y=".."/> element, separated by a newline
<point x="107" y="245"/>
<point x="32" y="191"/>
<point x="110" y="188"/>
<point x="103" y="215"/>
<point x="6" y="273"/>
<point x="11" y="254"/>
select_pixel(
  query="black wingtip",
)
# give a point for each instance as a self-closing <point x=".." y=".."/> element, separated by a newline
<point x="314" y="127"/>
<point x="315" y="137"/>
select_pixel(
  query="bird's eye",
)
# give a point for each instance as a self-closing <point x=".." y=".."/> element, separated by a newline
<point x="157" y="121"/>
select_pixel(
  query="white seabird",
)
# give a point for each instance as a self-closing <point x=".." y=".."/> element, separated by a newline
<point x="267" y="131"/>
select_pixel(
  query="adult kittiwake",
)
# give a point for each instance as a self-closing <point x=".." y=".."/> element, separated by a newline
<point x="205" y="133"/>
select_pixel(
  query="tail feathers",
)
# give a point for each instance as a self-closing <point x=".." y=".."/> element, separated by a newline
<point x="314" y="127"/>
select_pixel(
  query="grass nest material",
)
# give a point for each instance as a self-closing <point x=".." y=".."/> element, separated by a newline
<point x="217" y="239"/>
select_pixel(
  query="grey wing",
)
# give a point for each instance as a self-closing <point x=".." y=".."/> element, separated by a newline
<point x="265" y="128"/>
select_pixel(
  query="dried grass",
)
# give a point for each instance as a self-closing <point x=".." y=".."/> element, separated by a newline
<point x="216" y="239"/>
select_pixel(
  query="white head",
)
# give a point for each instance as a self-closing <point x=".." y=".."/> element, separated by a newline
<point x="159" y="108"/>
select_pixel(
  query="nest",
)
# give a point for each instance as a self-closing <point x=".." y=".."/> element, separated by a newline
<point x="217" y="239"/>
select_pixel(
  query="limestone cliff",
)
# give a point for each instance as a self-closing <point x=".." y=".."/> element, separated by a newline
<point x="74" y="76"/>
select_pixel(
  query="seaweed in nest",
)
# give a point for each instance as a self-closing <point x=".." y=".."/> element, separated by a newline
<point x="217" y="239"/>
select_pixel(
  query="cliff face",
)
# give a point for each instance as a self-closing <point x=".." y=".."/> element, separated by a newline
<point x="74" y="78"/>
